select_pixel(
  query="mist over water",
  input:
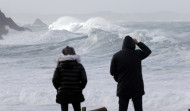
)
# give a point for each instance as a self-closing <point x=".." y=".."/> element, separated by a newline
<point x="28" y="62"/>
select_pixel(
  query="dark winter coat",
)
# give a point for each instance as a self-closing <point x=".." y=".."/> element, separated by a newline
<point x="126" y="68"/>
<point x="69" y="79"/>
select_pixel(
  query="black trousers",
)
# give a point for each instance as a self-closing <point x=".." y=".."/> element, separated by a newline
<point x="76" y="106"/>
<point x="137" y="103"/>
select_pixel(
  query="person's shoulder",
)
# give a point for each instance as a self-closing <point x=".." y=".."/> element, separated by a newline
<point x="79" y="64"/>
<point x="60" y="64"/>
<point x="119" y="52"/>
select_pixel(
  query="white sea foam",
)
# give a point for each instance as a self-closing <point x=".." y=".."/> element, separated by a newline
<point x="63" y="23"/>
<point x="84" y="26"/>
<point x="31" y="38"/>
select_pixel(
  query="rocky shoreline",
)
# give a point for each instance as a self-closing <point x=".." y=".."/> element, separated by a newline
<point x="6" y="21"/>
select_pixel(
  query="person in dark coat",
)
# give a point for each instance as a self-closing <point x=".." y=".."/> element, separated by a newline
<point x="69" y="80"/>
<point x="127" y="71"/>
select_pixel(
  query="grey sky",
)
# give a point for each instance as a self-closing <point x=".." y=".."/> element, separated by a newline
<point x="88" y="6"/>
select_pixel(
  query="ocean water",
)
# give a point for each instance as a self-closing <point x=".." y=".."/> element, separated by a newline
<point x="27" y="64"/>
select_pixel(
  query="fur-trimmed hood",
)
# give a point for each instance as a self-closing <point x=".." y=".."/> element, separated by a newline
<point x="68" y="57"/>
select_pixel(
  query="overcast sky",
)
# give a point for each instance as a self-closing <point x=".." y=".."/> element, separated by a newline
<point x="88" y="6"/>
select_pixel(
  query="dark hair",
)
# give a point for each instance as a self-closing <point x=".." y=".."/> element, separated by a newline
<point x="68" y="51"/>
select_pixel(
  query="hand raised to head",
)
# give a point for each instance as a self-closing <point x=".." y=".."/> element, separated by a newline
<point x="135" y="41"/>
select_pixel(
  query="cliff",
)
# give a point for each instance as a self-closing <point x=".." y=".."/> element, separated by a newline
<point x="6" y="21"/>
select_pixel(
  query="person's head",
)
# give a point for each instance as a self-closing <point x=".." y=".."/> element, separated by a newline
<point x="128" y="43"/>
<point x="68" y="51"/>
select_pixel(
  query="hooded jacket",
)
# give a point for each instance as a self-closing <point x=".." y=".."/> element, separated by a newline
<point x="69" y="79"/>
<point x="127" y="70"/>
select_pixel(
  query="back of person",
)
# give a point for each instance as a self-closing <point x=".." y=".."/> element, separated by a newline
<point x="69" y="80"/>
<point x="127" y="72"/>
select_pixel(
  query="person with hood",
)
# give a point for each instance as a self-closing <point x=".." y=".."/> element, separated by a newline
<point x="69" y="80"/>
<point x="127" y="71"/>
